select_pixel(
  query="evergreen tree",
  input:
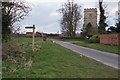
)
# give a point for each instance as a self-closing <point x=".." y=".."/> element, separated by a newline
<point x="88" y="31"/>
<point x="118" y="27"/>
<point x="102" y="22"/>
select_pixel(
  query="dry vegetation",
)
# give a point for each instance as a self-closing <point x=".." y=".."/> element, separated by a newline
<point x="17" y="52"/>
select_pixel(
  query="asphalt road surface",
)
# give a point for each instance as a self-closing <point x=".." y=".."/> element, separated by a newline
<point x="106" y="58"/>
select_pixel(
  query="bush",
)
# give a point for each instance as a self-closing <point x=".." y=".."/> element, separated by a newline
<point x="44" y="37"/>
<point x="94" y="39"/>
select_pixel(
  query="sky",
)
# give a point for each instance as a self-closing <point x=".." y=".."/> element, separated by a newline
<point x="46" y="18"/>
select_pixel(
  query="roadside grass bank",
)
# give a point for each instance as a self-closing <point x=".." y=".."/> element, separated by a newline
<point x="0" y="70"/>
<point x="101" y="47"/>
<point x="50" y="61"/>
<point x="67" y="40"/>
<point x="107" y="48"/>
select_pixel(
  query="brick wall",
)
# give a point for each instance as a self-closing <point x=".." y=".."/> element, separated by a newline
<point x="112" y="39"/>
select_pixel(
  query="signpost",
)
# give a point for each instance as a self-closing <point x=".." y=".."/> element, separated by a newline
<point x="33" y="42"/>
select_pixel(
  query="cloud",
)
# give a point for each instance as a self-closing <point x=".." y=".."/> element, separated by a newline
<point x="54" y="14"/>
<point x="44" y="1"/>
<point x="45" y="16"/>
<point x="50" y="28"/>
<point x="113" y="11"/>
<point x="61" y="1"/>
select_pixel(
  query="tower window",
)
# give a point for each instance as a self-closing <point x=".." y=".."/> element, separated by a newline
<point x="90" y="15"/>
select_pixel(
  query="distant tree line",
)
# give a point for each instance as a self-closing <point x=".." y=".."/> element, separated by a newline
<point x="52" y="35"/>
<point x="114" y="29"/>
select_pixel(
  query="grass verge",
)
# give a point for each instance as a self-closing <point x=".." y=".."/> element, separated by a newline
<point x="51" y="61"/>
<point x="69" y="39"/>
<point x="102" y="47"/>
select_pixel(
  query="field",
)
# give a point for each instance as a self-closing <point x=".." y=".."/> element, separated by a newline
<point x="49" y="61"/>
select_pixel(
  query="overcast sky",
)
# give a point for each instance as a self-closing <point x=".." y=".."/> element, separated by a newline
<point x="46" y="18"/>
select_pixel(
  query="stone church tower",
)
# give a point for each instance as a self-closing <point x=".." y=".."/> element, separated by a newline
<point x="90" y="16"/>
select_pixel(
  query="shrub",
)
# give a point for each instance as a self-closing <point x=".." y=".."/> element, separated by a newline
<point x="44" y="37"/>
<point x="94" y="39"/>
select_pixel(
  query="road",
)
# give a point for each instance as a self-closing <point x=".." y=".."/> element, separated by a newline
<point x="106" y="58"/>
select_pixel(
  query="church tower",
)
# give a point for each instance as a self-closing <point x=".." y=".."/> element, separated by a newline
<point x="90" y="16"/>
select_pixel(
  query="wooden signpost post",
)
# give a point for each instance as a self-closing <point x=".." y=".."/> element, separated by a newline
<point x="33" y="36"/>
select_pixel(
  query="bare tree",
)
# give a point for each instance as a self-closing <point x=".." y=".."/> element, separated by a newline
<point x="11" y="13"/>
<point x="16" y="30"/>
<point x="71" y="15"/>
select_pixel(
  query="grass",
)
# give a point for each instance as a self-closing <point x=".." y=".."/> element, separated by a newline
<point x="52" y="61"/>
<point x="0" y="70"/>
<point x="102" y="47"/>
<point x="69" y="39"/>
